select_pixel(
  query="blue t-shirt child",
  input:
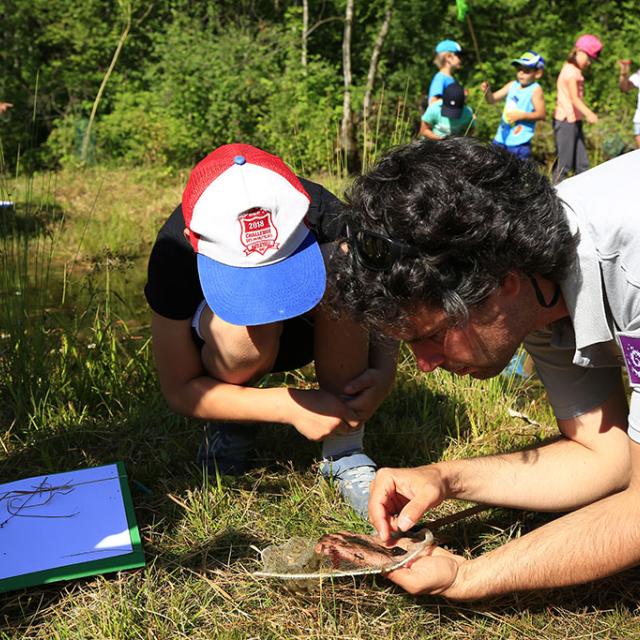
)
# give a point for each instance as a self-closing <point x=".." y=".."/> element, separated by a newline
<point x="518" y="98"/>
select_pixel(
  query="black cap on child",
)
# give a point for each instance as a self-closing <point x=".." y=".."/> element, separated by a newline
<point x="453" y="101"/>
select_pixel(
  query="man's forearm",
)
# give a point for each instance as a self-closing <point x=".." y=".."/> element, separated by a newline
<point x="594" y="542"/>
<point x="559" y="476"/>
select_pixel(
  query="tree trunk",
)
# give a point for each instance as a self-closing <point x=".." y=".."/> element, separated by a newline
<point x="348" y="144"/>
<point x="373" y="64"/>
<point x="305" y="34"/>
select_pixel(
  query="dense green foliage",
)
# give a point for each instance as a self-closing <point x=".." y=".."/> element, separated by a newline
<point x="193" y="75"/>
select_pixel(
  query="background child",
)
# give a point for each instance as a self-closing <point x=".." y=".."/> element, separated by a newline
<point x="571" y="109"/>
<point x="626" y="83"/>
<point x="524" y="105"/>
<point x="447" y="116"/>
<point x="448" y="59"/>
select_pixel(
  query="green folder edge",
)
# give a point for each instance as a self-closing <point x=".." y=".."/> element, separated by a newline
<point x="131" y="560"/>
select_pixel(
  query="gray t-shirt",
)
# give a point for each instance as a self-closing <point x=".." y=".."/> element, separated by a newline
<point x="579" y="359"/>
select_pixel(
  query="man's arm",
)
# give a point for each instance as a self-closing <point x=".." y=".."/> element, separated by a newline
<point x="575" y="548"/>
<point x="189" y="390"/>
<point x="594" y="542"/>
<point x="589" y="463"/>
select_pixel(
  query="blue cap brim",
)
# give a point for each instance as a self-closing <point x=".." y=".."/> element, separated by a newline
<point x="250" y="296"/>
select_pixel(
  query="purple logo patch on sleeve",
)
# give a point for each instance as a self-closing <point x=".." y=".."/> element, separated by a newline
<point x="631" y="353"/>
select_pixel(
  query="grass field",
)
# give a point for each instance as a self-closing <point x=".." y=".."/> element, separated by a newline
<point x="79" y="389"/>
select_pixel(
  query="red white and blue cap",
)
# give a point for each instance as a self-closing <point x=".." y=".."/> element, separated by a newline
<point x="257" y="260"/>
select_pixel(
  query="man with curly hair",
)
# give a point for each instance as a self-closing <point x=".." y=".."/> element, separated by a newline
<point x="465" y="252"/>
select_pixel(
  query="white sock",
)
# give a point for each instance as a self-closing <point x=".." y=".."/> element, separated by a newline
<point x="337" y="445"/>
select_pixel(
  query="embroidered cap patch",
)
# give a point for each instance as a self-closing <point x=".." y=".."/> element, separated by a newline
<point x="257" y="231"/>
<point x="631" y="353"/>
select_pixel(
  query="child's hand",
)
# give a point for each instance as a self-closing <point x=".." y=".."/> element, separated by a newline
<point x="485" y="86"/>
<point x="317" y="414"/>
<point x="592" y="118"/>
<point x="513" y="115"/>
<point x="365" y="393"/>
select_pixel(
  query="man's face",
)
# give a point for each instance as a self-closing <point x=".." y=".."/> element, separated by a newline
<point x="481" y="348"/>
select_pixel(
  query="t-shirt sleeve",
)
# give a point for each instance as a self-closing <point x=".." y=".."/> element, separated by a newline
<point x="431" y="114"/>
<point x="572" y="390"/>
<point x="634" y="79"/>
<point x="325" y="212"/>
<point x="173" y="286"/>
<point x="437" y="85"/>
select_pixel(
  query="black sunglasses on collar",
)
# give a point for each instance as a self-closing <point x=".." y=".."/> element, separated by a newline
<point x="377" y="252"/>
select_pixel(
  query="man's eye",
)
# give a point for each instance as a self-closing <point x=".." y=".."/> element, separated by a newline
<point x="439" y="336"/>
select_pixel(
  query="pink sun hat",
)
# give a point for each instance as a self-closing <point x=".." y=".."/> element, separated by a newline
<point x="258" y="262"/>
<point x="590" y="44"/>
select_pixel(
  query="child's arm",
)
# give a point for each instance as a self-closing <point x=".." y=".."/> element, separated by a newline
<point x="579" y="104"/>
<point x="429" y="120"/>
<point x="539" y="109"/>
<point x="191" y="391"/>
<point x="495" y="96"/>
<point x="625" y="84"/>
<point x="427" y="131"/>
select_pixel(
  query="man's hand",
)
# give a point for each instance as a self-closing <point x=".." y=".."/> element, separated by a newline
<point x="434" y="571"/>
<point x="317" y="414"/>
<point x="399" y="497"/>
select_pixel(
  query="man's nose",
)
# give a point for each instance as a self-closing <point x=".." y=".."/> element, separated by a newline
<point x="428" y="357"/>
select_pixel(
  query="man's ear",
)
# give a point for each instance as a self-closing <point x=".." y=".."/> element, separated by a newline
<point x="511" y="284"/>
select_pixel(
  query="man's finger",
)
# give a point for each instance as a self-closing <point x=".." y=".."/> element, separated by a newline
<point x="413" y="511"/>
<point x="381" y="508"/>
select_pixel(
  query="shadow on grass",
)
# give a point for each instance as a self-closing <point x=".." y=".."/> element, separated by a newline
<point x="228" y="550"/>
<point x="414" y="426"/>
